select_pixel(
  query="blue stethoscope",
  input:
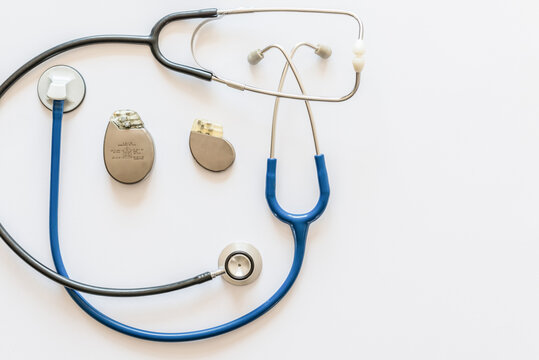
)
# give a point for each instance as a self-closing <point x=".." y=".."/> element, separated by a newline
<point x="233" y="257"/>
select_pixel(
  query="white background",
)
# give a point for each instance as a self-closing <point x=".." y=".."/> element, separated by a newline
<point x="428" y="249"/>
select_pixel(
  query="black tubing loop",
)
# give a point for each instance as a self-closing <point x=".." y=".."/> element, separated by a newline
<point x="156" y="50"/>
<point x="152" y="41"/>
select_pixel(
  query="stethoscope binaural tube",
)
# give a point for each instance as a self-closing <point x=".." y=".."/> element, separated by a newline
<point x="279" y="93"/>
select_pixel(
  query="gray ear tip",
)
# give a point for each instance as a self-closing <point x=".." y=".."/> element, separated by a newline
<point x="255" y="57"/>
<point x="324" y="51"/>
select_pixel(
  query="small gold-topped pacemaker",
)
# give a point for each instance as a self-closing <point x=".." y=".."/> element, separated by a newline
<point x="208" y="147"/>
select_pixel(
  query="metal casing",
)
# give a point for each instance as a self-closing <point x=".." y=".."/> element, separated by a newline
<point x="128" y="151"/>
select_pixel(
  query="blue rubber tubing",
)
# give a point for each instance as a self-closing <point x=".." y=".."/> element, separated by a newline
<point x="298" y="223"/>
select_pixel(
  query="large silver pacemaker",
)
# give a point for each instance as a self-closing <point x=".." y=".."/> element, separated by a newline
<point x="128" y="148"/>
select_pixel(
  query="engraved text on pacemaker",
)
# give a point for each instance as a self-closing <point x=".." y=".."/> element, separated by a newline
<point x="127" y="150"/>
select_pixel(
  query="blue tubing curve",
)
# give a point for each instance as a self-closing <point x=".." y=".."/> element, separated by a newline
<point x="298" y="223"/>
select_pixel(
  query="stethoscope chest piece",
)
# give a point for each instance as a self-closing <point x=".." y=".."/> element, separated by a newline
<point x="241" y="262"/>
<point x="61" y="82"/>
<point x="128" y="148"/>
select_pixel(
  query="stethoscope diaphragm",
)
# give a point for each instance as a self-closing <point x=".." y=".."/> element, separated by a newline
<point x="241" y="262"/>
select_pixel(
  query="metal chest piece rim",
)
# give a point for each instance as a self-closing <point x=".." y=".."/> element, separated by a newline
<point x="75" y="87"/>
<point x="241" y="262"/>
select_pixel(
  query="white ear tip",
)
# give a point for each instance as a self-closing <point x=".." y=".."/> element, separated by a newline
<point x="255" y="57"/>
<point x="359" y="48"/>
<point x="323" y="51"/>
<point x="359" y="63"/>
